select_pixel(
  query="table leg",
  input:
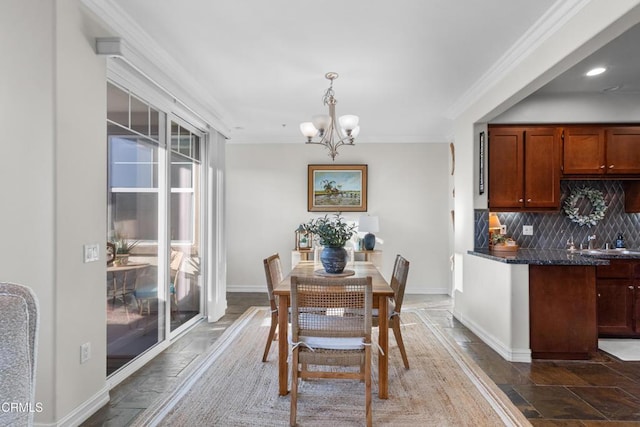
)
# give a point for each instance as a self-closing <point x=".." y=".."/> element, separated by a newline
<point x="283" y="345"/>
<point x="383" y="342"/>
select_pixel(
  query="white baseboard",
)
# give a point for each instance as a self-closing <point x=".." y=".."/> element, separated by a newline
<point x="507" y="353"/>
<point x="82" y="412"/>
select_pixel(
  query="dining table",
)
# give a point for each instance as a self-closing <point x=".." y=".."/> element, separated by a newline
<point x="382" y="291"/>
<point x="119" y="280"/>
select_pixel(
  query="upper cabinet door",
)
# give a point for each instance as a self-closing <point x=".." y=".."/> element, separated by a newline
<point x="583" y="151"/>
<point x="542" y="167"/>
<point x="506" y="161"/>
<point x="623" y="150"/>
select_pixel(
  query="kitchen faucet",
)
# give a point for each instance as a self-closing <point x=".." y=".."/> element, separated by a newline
<point x="592" y="241"/>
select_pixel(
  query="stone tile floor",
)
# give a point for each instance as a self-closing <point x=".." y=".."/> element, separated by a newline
<point x="600" y="392"/>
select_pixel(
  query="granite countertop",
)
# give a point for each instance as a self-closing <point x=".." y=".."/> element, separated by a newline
<point x="548" y="257"/>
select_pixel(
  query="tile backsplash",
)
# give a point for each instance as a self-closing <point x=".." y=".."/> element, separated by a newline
<point x="552" y="230"/>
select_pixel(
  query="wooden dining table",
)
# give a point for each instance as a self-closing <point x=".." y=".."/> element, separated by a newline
<point x="381" y="294"/>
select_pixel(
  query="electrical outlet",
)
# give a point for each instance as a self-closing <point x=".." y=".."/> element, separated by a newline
<point x="527" y="230"/>
<point x="85" y="352"/>
<point x="91" y="252"/>
<point x="503" y="229"/>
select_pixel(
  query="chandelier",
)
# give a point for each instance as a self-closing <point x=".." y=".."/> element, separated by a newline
<point x="324" y="126"/>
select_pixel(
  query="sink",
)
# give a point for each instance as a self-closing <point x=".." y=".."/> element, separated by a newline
<point x="608" y="252"/>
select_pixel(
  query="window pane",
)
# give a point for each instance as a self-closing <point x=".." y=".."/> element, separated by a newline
<point x="135" y="215"/>
<point x="117" y="105"/>
<point x="154" y="124"/>
<point x="139" y="116"/>
<point x="133" y="163"/>
<point x="181" y="172"/>
<point x="182" y="217"/>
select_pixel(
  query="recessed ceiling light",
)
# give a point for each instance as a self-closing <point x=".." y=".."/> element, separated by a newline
<point x="596" y="71"/>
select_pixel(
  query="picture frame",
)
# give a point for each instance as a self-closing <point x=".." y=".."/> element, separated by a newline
<point x="337" y="188"/>
<point x="481" y="165"/>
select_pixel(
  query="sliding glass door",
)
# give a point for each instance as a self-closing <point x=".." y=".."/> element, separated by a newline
<point x="185" y="221"/>
<point x="154" y="279"/>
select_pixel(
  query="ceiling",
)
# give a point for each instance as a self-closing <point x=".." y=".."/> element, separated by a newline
<point x="622" y="62"/>
<point x="404" y="65"/>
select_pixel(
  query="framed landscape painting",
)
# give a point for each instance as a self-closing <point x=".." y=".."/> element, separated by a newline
<point x="337" y="188"/>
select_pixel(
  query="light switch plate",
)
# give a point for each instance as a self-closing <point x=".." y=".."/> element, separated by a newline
<point x="527" y="230"/>
<point x="91" y="252"/>
<point x="85" y="352"/>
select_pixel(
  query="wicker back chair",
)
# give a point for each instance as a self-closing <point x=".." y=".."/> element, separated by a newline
<point x="398" y="284"/>
<point x="331" y="326"/>
<point x="273" y="273"/>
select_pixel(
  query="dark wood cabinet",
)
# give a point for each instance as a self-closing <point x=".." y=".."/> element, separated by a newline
<point x="636" y="313"/>
<point x="623" y="150"/>
<point x="631" y="196"/>
<point x="601" y="150"/>
<point x="562" y="311"/>
<point x="524" y="168"/>
<point x="618" y="298"/>
<point x="583" y="151"/>
<point x="615" y="307"/>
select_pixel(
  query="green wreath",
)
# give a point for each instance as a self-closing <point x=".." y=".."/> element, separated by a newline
<point x="596" y="199"/>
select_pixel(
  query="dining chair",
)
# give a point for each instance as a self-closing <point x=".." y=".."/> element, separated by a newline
<point x="273" y="273"/>
<point x="19" y="319"/>
<point x="146" y="294"/>
<point x="398" y="284"/>
<point x="331" y="327"/>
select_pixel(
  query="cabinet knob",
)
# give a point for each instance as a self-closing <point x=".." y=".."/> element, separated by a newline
<point x="602" y="167"/>
<point x="528" y="200"/>
<point x="598" y="295"/>
<point x="520" y="200"/>
<point x="630" y="287"/>
<point x="610" y="166"/>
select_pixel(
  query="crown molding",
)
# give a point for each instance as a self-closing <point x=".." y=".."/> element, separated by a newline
<point x="548" y="24"/>
<point x="144" y="54"/>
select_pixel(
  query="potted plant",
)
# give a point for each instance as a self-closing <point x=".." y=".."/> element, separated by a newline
<point x="501" y="242"/>
<point x="123" y="247"/>
<point x="332" y="233"/>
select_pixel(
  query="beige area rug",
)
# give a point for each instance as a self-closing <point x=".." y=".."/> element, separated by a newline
<point x="232" y="387"/>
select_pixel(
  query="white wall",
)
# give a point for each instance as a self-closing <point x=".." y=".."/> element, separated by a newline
<point x="408" y="190"/>
<point x="504" y="326"/>
<point x="53" y="183"/>
<point x="27" y="252"/>
<point x="610" y="107"/>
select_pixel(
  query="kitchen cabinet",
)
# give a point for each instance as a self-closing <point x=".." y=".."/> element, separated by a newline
<point x="631" y="196"/>
<point x="524" y="168"/>
<point x="562" y="311"/>
<point x="618" y="298"/>
<point x="583" y="151"/>
<point x="601" y="150"/>
<point x="623" y="150"/>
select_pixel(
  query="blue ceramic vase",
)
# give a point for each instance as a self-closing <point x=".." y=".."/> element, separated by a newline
<point x="333" y="259"/>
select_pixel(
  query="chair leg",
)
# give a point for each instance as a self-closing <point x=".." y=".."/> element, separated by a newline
<point x="395" y="325"/>
<point x="272" y="335"/>
<point x="367" y="387"/>
<point x="294" y="387"/>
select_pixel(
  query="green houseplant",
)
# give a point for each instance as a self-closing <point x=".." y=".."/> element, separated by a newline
<point x="123" y="248"/>
<point x="332" y="233"/>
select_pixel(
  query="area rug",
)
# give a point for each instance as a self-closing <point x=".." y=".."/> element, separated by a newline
<point x="233" y="387"/>
<point x="624" y="349"/>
